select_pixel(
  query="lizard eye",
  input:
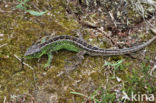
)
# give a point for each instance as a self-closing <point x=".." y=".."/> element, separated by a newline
<point x="44" y="39"/>
<point x="33" y="43"/>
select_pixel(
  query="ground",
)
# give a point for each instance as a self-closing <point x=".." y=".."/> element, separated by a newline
<point x="97" y="79"/>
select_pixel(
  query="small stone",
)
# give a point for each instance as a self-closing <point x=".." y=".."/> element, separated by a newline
<point x="1" y="35"/>
<point x="48" y="13"/>
<point x="153" y="30"/>
<point x="118" y="79"/>
<point x="6" y="6"/>
<point x="90" y="39"/>
<point x="44" y="73"/>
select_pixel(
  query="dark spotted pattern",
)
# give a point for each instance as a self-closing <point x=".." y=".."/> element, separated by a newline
<point x="95" y="48"/>
<point x="92" y="50"/>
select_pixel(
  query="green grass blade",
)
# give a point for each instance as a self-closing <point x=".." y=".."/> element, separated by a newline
<point x="36" y="13"/>
<point x="77" y="93"/>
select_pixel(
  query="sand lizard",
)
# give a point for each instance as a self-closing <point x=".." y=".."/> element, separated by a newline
<point x="51" y="44"/>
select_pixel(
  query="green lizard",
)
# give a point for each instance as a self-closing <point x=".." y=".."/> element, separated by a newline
<point x="51" y="44"/>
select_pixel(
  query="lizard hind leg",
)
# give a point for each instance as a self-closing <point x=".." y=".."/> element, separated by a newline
<point x="81" y="54"/>
<point x="78" y="58"/>
<point x="50" y="57"/>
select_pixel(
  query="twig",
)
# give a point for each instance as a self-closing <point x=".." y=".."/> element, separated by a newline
<point x="153" y="30"/>
<point x="4" y="101"/>
<point x="23" y="62"/>
<point x="113" y="19"/>
<point x="93" y="26"/>
<point x="2" y="11"/>
<point x="153" y="69"/>
<point x="105" y="34"/>
<point x="34" y="76"/>
<point x="3" y="45"/>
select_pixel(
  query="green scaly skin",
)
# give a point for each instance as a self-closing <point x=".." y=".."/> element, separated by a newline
<point x="53" y="48"/>
<point x="49" y="44"/>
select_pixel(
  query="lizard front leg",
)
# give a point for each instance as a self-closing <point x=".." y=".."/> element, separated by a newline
<point x="50" y="57"/>
<point x="80" y="56"/>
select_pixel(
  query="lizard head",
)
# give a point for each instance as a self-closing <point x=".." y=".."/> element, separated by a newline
<point x="33" y="52"/>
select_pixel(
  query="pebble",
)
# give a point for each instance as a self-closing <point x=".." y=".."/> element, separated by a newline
<point x="6" y="6"/>
<point x="1" y="35"/>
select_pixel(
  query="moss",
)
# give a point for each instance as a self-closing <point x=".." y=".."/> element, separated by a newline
<point x="21" y="30"/>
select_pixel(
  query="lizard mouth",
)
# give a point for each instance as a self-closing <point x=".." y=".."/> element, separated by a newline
<point x="27" y="53"/>
<point x="32" y="50"/>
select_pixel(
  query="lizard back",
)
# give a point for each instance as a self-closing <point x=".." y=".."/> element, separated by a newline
<point x="91" y="50"/>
